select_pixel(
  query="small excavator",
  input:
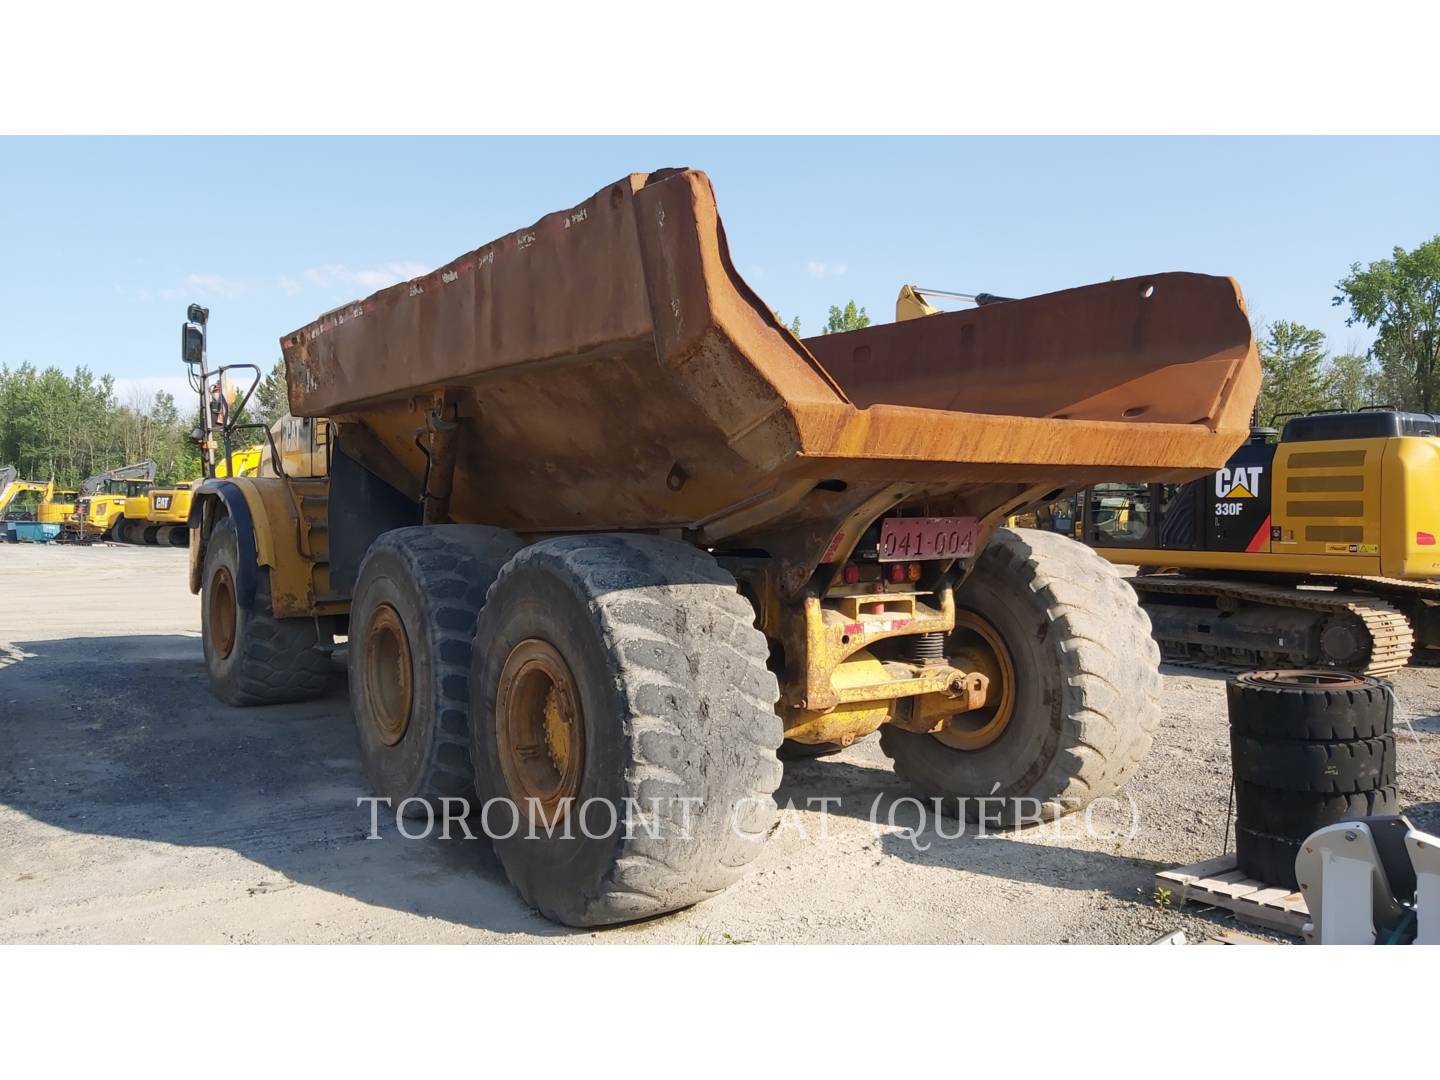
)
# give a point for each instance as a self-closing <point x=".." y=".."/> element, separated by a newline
<point x="44" y="521"/>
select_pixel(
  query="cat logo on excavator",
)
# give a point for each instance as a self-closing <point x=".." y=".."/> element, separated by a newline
<point x="1241" y="482"/>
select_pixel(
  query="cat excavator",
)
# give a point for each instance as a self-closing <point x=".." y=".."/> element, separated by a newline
<point x="1317" y="545"/>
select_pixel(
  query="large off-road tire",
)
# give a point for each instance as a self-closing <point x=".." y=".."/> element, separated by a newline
<point x="252" y="657"/>
<point x="1326" y="768"/>
<point x="412" y="625"/>
<point x="1086" y="686"/>
<point x="1311" y="706"/>
<point x="610" y="668"/>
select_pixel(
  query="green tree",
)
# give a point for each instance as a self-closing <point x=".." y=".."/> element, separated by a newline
<point x="793" y="325"/>
<point x="68" y="427"/>
<point x="271" y="399"/>
<point x="1350" y="382"/>
<point x="1292" y="360"/>
<point x="1399" y="298"/>
<point x="847" y="318"/>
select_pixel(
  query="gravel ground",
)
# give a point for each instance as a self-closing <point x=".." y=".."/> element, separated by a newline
<point x="133" y="808"/>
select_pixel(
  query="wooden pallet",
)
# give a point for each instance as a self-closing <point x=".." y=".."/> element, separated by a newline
<point x="1219" y="883"/>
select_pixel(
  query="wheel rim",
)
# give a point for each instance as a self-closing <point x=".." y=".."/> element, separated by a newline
<point x="221" y="596"/>
<point x="1331" y="680"/>
<point x="539" y="726"/>
<point x="388" y="674"/>
<point x="975" y="645"/>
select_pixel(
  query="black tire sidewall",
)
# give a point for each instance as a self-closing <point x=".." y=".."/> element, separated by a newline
<point x="1010" y="766"/>
<point x="558" y="875"/>
<point x="1296" y="815"/>
<point x="1325" y="768"/>
<point x="395" y="772"/>
<point x="223" y="550"/>
<point x="1270" y="710"/>
<point x="1268" y="858"/>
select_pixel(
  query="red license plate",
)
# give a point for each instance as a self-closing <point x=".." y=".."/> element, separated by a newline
<point x="905" y="538"/>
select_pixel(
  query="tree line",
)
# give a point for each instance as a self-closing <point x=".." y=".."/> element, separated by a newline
<point x="1396" y="298"/>
<point x="60" y="427"/>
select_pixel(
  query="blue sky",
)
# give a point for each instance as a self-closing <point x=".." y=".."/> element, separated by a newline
<point x="106" y="240"/>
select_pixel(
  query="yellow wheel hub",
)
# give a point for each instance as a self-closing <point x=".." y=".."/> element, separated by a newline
<point x="539" y="726"/>
<point x="977" y="646"/>
<point x="223" y="611"/>
<point x="388" y="675"/>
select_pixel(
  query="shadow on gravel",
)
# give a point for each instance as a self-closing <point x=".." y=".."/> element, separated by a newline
<point x="119" y="736"/>
<point x="1430" y="725"/>
<point x="877" y="795"/>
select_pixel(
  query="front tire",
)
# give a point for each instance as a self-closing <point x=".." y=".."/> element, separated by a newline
<point x="252" y="657"/>
<point x="622" y="672"/>
<point x="1084" y="705"/>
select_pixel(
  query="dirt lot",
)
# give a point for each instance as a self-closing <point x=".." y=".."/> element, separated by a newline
<point x="135" y="808"/>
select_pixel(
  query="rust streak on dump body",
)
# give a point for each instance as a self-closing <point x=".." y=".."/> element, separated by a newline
<point x="611" y="370"/>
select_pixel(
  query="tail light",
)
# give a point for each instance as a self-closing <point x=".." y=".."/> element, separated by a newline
<point x="1424" y="539"/>
<point x="902" y="572"/>
<point x="851" y="574"/>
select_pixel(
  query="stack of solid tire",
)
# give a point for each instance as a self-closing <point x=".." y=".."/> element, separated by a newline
<point x="1308" y="748"/>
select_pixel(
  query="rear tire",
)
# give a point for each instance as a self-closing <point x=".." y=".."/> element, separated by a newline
<point x="412" y="624"/>
<point x="1086" y="700"/>
<point x="663" y="694"/>
<point x="252" y="657"/>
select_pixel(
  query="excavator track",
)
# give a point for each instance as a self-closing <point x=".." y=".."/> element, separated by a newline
<point x="1379" y="636"/>
<point x="1414" y="597"/>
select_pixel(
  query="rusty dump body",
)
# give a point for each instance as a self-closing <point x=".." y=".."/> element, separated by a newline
<point x="610" y="370"/>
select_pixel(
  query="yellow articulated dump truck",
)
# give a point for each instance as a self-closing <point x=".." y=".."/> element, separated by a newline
<point x="160" y="515"/>
<point x="602" y="534"/>
<point x="99" y="510"/>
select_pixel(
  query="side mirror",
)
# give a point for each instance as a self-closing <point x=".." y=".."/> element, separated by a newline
<point x="192" y="344"/>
